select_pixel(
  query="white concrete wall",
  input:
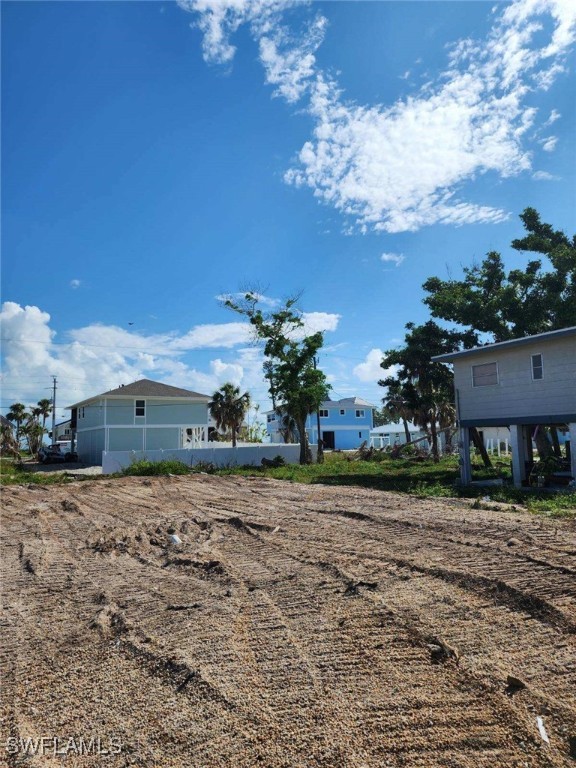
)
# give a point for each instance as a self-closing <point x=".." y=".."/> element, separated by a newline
<point x="220" y="455"/>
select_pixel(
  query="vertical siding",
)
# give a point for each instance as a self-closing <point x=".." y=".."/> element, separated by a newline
<point x="89" y="446"/>
<point x="163" y="438"/>
<point x="125" y="439"/>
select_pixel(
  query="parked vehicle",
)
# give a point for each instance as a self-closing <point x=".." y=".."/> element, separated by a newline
<point x="51" y="454"/>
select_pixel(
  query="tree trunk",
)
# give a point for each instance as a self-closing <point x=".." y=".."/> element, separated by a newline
<point x="543" y="445"/>
<point x="406" y="431"/>
<point x="479" y="445"/>
<point x="555" y="442"/>
<point x="320" y="453"/>
<point x="233" y="435"/>
<point x="305" y="455"/>
<point x="434" y="434"/>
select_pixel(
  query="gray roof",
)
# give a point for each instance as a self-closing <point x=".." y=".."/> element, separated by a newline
<point x="345" y="402"/>
<point x="146" y="388"/>
<point x="539" y="337"/>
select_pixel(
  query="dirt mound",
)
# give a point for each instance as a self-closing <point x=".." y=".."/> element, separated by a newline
<point x="206" y="621"/>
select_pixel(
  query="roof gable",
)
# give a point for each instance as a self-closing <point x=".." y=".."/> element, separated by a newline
<point x="537" y="338"/>
<point x="147" y="388"/>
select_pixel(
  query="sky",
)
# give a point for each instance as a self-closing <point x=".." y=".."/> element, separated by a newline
<point x="157" y="156"/>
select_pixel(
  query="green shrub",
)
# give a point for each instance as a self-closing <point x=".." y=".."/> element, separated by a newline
<point x="164" y="467"/>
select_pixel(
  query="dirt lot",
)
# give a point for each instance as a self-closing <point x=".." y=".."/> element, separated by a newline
<point x="295" y="626"/>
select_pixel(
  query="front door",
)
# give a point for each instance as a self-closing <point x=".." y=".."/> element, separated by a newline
<point x="328" y="440"/>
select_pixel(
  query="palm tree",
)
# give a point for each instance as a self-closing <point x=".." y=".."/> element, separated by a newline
<point x="33" y="431"/>
<point x="44" y="409"/>
<point x="395" y="404"/>
<point x="228" y="408"/>
<point x="17" y="413"/>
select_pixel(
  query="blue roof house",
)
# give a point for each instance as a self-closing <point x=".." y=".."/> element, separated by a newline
<point x="344" y="424"/>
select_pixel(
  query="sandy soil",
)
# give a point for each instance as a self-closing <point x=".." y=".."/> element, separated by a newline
<point x="295" y="626"/>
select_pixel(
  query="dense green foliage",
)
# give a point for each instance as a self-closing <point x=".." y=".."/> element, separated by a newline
<point x="165" y="467"/>
<point x="540" y="297"/>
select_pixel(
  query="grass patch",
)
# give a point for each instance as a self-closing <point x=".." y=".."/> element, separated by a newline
<point x="15" y="473"/>
<point x="145" y="467"/>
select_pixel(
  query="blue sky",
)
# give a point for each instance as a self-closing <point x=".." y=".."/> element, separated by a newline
<point x="156" y="155"/>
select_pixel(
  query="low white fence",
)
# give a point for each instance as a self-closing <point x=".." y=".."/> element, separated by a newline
<point x="220" y="455"/>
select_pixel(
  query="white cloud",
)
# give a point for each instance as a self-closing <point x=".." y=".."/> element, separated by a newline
<point x="75" y="283"/>
<point x="219" y="20"/>
<point x="291" y="64"/>
<point x="319" y="321"/>
<point x="554" y="115"/>
<point x="394" y="258"/>
<point x="370" y="370"/>
<point x="544" y="176"/>
<point x="400" y="167"/>
<point x="549" y="143"/>
<point x="101" y="357"/>
<point x="266" y="301"/>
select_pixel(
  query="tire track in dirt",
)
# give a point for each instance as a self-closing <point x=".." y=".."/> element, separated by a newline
<point x="290" y="628"/>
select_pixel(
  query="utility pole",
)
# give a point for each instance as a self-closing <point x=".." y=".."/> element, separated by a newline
<point x="54" y="410"/>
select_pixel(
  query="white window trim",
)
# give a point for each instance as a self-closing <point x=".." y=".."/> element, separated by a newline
<point x="324" y="413"/>
<point x="481" y="386"/>
<point x="541" y="356"/>
<point x="139" y="400"/>
<point x="360" y="413"/>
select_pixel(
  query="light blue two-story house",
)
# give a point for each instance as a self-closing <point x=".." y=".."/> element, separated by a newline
<point x="144" y="415"/>
<point x="344" y="424"/>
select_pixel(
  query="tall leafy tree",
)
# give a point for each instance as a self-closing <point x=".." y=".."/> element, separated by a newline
<point x="424" y="387"/>
<point x="521" y="302"/>
<point x="17" y="414"/>
<point x="228" y="408"/>
<point x="295" y="383"/>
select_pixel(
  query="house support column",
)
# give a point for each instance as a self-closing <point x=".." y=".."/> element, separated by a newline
<point x="518" y="446"/>
<point x="464" y="450"/>
<point x="572" y="428"/>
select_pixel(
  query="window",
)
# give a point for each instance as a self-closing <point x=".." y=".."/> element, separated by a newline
<point x="271" y="417"/>
<point x="140" y="408"/>
<point x="537" y="367"/>
<point x="342" y="412"/>
<point x="360" y="414"/>
<point x="485" y="375"/>
<point x="81" y="412"/>
<point x="323" y="413"/>
<point x="360" y="434"/>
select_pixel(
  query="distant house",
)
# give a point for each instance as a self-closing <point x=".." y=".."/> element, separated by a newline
<point x="344" y="424"/>
<point x="144" y="415"/>
<point x="63" y="431"/>
<point x="517" y="384"/>
<point x="389" y="435"/>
